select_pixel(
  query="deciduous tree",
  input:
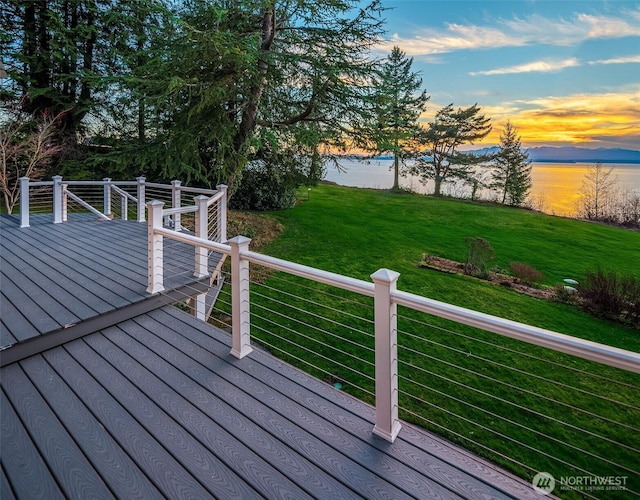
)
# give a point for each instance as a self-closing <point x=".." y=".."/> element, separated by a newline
<point x="26" y="148"/>
<point x="597" y="193"/>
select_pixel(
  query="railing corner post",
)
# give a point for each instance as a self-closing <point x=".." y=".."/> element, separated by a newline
<point x="222" y="213"/>
<point x="386" y="355"/>
<point x="57" y="199"/>
<point x="24" y="201"/>
<point x="240" y="300"/>
<point x="141" y="196"/>
<point x="155" y="264"/>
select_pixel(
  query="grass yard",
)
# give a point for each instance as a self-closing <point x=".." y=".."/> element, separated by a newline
<point x="358" y="231"/>
<point x="526" y="408"/>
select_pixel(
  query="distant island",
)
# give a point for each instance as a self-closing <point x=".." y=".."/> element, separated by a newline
<point x="573" y="154"/>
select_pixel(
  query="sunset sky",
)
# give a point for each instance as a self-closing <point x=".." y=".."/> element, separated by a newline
<point x="563" y="72"/>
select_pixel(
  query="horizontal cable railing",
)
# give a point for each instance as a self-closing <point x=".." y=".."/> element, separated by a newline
<point x="108" y="199"/>
<point x="529" y="399"/>
<point x="525" y="407"/>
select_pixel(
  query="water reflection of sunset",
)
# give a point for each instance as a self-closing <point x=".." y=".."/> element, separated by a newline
<point x="557" y="188"/>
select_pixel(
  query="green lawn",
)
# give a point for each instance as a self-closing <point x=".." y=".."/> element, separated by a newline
<point x="357" y="231"/>
<point x="526" y="408"/>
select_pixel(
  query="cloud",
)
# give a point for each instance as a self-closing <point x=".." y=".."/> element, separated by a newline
<point x="618" y="60"/>
<point x="532" y="67"/>
<point x="583" y="119"/>
<point x="550" y="66"/>
<point x="517" y="32"/>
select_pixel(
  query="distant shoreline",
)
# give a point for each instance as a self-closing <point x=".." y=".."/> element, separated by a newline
<point x="626" y="162"/>
<point x="546" y="160"/>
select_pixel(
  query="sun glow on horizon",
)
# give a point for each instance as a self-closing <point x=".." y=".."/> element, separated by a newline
<point x="586" y="120"/>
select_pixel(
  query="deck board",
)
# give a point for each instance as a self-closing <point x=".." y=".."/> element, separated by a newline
<point x="118" y="471"/>
<point x="5" y="489"/>
<point x="21" y="461"/>
<point x="68" y="464"/>
<point x="139" y="443"/>
<point x="254" y="443"/>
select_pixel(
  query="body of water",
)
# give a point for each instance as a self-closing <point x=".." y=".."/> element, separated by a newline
<point x="555" y="186"/>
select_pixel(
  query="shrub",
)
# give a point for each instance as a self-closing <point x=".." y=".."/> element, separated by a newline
<point x="526" y="273"/>
<point x="563" y="294"/>
<point x="479" y="255"/>
<point x="611" y="295"/>
<point x="264" y="188"/>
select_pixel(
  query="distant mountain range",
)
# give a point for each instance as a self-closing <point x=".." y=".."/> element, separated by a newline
<point x="572" y="154"/>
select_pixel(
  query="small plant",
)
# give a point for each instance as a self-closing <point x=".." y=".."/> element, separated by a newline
<point x="479" y="255"/>
<point x="525" y="273"/>
<point x="564" y="294"/>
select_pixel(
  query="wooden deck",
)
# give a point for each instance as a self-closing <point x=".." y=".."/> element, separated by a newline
<point x="57" y="276"/>
<point x="155" y="406"/>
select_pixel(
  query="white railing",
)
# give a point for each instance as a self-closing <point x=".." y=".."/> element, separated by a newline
<point x="98" y="197"/>
<point x="386" y="299"/>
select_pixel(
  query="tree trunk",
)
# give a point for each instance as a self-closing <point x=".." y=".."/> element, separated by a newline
<point x="437" y="181"/>
<point x="248" y="120"/>
<point x="396" y="168"/>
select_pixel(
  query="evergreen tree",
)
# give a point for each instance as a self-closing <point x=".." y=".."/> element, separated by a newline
<point x="255" y="79"/>
<point x="397" y="108"/>
<point x="441" y="141"/>
<point x="511" y="169"/>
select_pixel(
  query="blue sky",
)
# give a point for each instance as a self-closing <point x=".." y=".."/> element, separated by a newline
<point x="563" y="72"/>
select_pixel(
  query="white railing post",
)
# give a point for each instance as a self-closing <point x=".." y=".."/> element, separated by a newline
<point x="386" y="356"/>
<point x="202" y="254"/>
<point x="24" y="202"/>
<point x="201" y="223"/>
<point x="107" y="196"/>
<point x="176" y="196"/>
<point x="141" y="200"/>
<point x="65" y="202"/>
<point x="222" y="214"/>
<point x="124" y="208"/>
<point x="241" y="319"/>
<point x="57" y="199"/>
<point x="155" y="264"/>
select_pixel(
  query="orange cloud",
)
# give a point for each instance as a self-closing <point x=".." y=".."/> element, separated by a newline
<point x="589" y="120"/>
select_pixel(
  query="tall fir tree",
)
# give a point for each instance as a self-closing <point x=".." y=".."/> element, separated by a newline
<point x="398" y="104"/>
<point x="511" y="168"/>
